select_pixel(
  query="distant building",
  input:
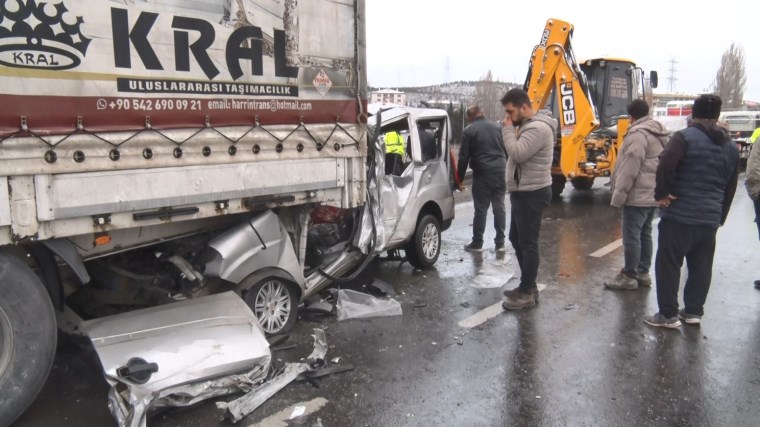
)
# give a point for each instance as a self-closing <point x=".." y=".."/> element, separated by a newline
<point x="662" y="99"/>
<point x="387" y="96"/>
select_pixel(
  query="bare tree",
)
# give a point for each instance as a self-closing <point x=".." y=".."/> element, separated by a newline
<point x="731" y="79"/>
<point x="488" y="95"/>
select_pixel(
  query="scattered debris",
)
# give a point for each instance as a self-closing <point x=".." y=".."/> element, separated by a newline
<point x="383" y="287"/>
<point x="571" y="306"/>
<point x="284" y="347"/>
<point x="243" y="406"/>
<point x="323" y="372"/>
<point x="356" y="305"/>
<point x="297" y="412"/>
<point x="420" y="304"/>
<point x="320" y="307"/>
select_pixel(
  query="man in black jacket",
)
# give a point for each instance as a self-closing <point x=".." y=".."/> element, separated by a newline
<point x="696" y="182"/>
<point x="483" y="149"/>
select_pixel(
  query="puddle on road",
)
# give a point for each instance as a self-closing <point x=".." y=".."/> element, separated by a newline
<point x="493" y="273"/>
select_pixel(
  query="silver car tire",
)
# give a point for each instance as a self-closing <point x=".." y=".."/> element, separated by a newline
<point x="274" y="302"/>
<point x="425" y="247"/>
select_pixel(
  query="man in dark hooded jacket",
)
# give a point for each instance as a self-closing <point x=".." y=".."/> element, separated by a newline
<point x="483" y="150"/>
<point x="696" y="182"/>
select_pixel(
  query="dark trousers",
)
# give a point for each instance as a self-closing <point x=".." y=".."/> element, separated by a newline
<point x="486" y="191"/>
<point x="524" y="231"/>
<point x="677" y="241"/>
<point x="757" y="215"/>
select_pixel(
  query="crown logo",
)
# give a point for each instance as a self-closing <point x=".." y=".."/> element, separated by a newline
<point x="42" y="35"/>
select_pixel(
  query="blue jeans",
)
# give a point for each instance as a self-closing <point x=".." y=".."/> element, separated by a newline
<point x="637" y="239"/>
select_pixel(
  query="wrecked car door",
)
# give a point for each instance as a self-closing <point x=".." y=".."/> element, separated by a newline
<point x="397" y="184"/>
<point x="423" y="184"/>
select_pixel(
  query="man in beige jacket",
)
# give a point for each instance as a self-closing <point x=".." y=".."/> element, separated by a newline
<point x="752" y="183"/>
<point x="633" y="185"/>
<point x="529" y="161"/>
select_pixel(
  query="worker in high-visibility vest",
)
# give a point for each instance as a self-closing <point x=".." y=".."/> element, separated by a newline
<point x="394" y="143"/>
<point x="755" y="136"/>
<point x="394" y="153"/>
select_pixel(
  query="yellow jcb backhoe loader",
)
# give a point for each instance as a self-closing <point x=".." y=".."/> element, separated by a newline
<point x="588" y="99"/>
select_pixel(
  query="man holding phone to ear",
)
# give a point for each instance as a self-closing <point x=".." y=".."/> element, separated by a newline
<point x="530" y="149"/>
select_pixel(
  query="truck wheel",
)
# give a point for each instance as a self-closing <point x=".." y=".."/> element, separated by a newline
<point x="558" y="185"/>
<point x="274" y="302"/>
<point x="27" y="337"/>
<point x="425" y="246"/>
<point x="582" y="183"/>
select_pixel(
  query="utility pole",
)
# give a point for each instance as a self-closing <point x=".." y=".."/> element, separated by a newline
<point x="672" y="77"/>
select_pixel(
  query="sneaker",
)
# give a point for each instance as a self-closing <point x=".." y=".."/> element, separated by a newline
<point x="622" y="282"/>
<point x="519" y="301"/>
<point x="501" y="248"/>
<point x="689" y="319"/>
<point x="473" y="247"/>
<point x="513" y="292"/>
<point x="661" y="321"/>
<point x="644" y="279"/>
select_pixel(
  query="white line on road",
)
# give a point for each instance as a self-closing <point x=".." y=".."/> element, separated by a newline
<point x="482" y="316"/>
<point x="488" y="313"/>
<point x="607" y="249"/>
<point x="281" y="419"/>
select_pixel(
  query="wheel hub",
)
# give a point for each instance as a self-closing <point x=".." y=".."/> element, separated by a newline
<point x="430" y="241"/>
<point x="272" y="306"/>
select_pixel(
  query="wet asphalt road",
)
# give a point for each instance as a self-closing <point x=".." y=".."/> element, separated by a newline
<point x="583" y="356"/>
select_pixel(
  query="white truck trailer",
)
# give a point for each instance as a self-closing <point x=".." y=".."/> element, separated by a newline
<point x="155" y="151"/>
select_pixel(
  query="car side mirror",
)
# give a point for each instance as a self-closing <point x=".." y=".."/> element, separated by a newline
<point x="653" y="79"/>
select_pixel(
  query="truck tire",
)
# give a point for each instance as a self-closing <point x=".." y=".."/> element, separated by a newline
<point x="27" y="337"/>
<point x="425" y="247"/>
<point x="582" y="183"/>
<point x="274" y="302"/>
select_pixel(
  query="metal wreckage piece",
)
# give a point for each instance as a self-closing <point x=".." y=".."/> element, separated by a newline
<point x="182" y="353"/>
<point x="242" y="407"/>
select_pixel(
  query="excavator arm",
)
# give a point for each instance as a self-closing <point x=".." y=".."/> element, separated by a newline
<point x="553" y="69"/>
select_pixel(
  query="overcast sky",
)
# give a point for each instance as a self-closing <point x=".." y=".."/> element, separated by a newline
<point x="409" y="41"/>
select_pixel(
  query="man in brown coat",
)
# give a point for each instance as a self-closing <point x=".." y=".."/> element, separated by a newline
<point x="633" y="185"/>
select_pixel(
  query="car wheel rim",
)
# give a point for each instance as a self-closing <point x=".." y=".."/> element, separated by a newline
<point x="6" y="341"/>
<point x="430" y="241"/>
<point x="272" y="306"/>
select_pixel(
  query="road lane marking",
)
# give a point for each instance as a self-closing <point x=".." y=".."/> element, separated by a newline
<point x="482" y="316"/>
<point x="607" y="249"/>
<point x="282" y="418"/>
<point x="488" y="313"/>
